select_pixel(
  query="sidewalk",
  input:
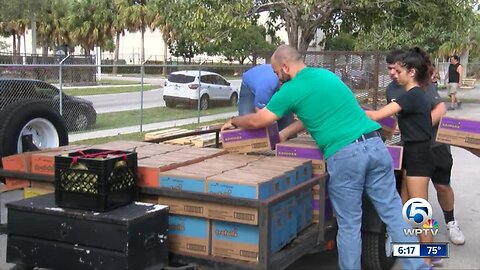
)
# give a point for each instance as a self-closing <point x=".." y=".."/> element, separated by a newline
<point x="147" y="127"/>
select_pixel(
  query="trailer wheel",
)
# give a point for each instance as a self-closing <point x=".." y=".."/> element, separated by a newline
<point x="376" y="251"/>
<point x="30" y="125"/>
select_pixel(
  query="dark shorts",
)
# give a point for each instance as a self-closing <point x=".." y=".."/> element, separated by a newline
<point x="418" y="159"/>
<point x="443" y="164"/>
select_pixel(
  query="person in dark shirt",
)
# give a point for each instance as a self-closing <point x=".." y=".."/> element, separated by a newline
<point x="414" y="70"/>
<point x="454" y="77"/>
<point x="442" y="153"/>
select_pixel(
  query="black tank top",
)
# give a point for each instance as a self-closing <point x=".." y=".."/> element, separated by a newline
<point x="453" y="76"/>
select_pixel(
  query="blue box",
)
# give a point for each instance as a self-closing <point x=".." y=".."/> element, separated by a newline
<point x="182" y="180"/>
<point x="238" y="183"/>
<point x="189" y="234"/>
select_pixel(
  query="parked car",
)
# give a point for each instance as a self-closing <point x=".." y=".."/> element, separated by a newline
<point x="182" y="87"/>
<point x="78" y="113"/>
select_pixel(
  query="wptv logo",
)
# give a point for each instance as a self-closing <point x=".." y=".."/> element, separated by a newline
<point x="418" y="213"/>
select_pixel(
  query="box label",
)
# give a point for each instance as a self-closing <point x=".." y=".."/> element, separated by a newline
<point x="234" y="232"/>
<point x="236" y="190"/>
<point x="178" y="183"/>
<point x="299" y="152"/>
<point x="188" y="226"/>
<point x="460" y="125"/>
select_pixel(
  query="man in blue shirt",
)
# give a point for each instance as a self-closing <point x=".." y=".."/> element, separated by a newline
<point x="258" y="86"/>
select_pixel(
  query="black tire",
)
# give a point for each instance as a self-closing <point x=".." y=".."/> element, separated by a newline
<point x="234" y="100"/>
<point x="15" y="117"/>
<point x="170" y="104"/>
<point x="374" y="255"/>
<point x="204" y="103"/>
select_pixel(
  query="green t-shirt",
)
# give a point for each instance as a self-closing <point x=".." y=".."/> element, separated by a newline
<point x="326" y="106"/>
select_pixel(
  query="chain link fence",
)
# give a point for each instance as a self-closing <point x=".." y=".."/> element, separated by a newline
<point x="96" y="97"/>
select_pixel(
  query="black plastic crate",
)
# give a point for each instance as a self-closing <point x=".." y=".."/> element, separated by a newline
<point x="95" y="179"/>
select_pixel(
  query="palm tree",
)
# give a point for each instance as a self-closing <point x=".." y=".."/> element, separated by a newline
<point x="138" y="16"/>
<point x="118" y="28"/>
<point x="52" y="30"/>
<point x="91" y="23"/>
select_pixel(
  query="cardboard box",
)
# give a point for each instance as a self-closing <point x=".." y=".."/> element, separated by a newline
<point x="286" y="175"/>
<point x="460" y="132"/>
<point x="240" y="184"/>
<point x="388" y="124"/>
<point x="303" y="151"/>
<point x="44" y="162"/>
<point x="216" y="211"/>
<point x="184" y="180"/>
<point x="19" y="163"/>
<point x="189" y="234"/>
<point x="321" y="199"/>
<point x="302" y="168"/>
<point x="238" y="157"/>
<point x="250" y="140"/>
<point x="150" y="169"/>
<point x="241" y="241"/>
<point x="396" y="152"/>
<point x="8" y="195"/>
<point x="30" y="192"/>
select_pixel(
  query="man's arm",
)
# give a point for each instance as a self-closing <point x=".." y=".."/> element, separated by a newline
<point x="460" y="72"/>
<point x="294" y="128"/>
<point x="261" y="118"/>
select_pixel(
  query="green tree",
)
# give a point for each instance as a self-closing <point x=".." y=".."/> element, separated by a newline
<point x="51" y="25"/>
<point x="90" y="24"/>
<point x="243" y="43"/>
<point x="341" y="42"/>
<point x="138" y="15"/>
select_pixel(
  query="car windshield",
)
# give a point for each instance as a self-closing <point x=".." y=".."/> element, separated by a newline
<point x="180" y="78"/>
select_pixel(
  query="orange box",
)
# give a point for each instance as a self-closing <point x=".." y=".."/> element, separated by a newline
<point x="19" y="163"/>
<point x="44" y="162"/>
<point x="149" y="173"/>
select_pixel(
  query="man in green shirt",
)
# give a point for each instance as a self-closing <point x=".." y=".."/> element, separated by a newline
<point x="357" y="160"/>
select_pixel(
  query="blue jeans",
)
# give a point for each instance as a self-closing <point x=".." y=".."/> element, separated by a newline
<point x="359" y="167"/>
<point x="246" y="105"/>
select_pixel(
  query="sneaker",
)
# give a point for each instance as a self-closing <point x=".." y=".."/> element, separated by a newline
<point x="459" y="105"/>
<point x="456" y="235"/>
<point x="434" y="261"/>
<point x="450" y="109"/>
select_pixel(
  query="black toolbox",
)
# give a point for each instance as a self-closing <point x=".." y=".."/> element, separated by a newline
<point x="42" y="235"/>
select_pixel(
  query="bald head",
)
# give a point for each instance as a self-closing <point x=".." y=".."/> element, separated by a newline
<point x="285" y="53"/>
<point x="287" y="62"/>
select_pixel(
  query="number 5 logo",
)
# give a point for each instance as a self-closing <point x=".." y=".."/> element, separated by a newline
<point x="416" y="211"/>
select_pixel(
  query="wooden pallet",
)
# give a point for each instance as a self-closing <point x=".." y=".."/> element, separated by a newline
<point x="203" y="140"/>
<point x="164" y="133"/>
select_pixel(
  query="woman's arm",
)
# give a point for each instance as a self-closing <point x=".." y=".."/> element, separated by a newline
<point x="390" y="109"/>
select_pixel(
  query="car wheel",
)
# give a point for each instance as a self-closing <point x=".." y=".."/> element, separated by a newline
<point x="29" y="125"/>
<point x="204" y="103"/>
<point x="170" y="104"/>
<point x="376" y="251"/>
<point x="234" y="99"/>
<point x="80" y="121"/>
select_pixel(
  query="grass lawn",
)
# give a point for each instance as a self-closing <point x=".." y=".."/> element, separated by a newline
<point x="138" y="136"/>
<point x="107" y="90"/>
<point x="153" y="115"/>
<point x="117" y="82"/>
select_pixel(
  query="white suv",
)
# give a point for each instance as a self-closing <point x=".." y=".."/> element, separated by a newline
<point x="182" y="87"/>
